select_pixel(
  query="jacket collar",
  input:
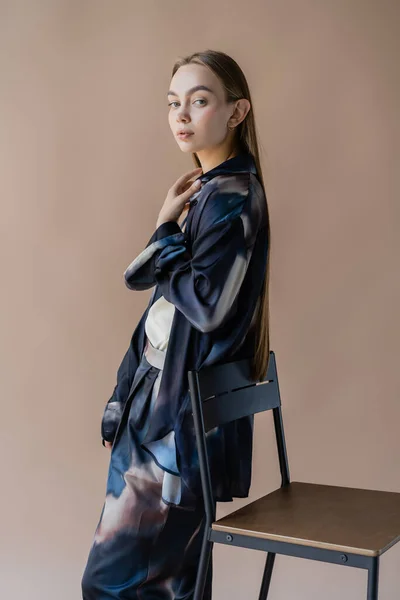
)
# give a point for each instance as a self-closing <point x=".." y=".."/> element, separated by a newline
<point x="242" y="162"/>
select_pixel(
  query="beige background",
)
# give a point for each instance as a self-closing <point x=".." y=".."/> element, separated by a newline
<point x="87" y="158"/>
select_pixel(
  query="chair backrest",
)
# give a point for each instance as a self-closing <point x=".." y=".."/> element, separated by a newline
<point x="228" y="392"/>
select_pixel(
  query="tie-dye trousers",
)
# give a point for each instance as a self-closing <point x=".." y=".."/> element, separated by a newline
<point x="145" y="545"/>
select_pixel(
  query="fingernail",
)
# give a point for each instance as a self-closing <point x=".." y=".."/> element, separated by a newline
<point x="197" y="182"/>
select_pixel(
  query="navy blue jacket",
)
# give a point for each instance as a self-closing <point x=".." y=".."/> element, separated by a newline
<point x="212" y="272"/>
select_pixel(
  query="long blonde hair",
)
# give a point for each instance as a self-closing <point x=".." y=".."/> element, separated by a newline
<point x="236" y="87"/>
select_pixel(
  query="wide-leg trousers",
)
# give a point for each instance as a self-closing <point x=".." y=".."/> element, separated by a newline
<point x="145" y="545"/>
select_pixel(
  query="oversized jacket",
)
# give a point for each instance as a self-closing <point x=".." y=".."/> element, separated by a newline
<point x="212" y="272"/>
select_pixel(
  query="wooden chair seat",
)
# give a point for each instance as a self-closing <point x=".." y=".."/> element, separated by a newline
<point x="331" y="517"/>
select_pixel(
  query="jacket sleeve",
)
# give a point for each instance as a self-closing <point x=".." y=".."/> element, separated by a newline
<point x="202" y="283"/>
<point x="140" y="274"/>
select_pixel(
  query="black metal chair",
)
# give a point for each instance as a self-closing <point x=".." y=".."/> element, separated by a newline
<point x="342" y="525"/>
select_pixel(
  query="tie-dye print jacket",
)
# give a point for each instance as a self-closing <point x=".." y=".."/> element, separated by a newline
<point x="212" y="272"/>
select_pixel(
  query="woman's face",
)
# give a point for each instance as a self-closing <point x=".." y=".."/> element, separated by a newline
<point x="203" y="112"/>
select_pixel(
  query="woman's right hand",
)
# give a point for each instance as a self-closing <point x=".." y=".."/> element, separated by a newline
<point x="177" y="199"/>
<point x="107" y="444"/>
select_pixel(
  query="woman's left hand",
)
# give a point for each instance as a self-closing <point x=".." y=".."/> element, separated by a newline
<point x="178" y="196"/>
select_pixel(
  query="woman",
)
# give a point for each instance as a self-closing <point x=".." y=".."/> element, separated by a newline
<point x="209" y="305"/>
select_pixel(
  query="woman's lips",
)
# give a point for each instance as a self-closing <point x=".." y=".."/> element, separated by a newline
<point x="183" y="136"/>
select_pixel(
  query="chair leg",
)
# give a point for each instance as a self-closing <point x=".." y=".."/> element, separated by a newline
<point x="266" y="580"/>
<point x="204" y="561"/>
<point x="373" y="578"/>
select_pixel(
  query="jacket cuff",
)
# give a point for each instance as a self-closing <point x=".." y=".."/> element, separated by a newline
<point x="166" y="229"/>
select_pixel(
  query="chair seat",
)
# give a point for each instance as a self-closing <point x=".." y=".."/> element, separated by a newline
<point x="338" y="518"/>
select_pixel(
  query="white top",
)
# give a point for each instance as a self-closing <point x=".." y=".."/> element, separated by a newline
<point x="159" y="321"/>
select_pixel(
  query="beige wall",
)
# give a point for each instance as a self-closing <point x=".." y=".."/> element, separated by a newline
<point x="86" y="160"/>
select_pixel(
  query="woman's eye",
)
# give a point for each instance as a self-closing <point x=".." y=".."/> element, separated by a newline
<point x="198" y="100"/>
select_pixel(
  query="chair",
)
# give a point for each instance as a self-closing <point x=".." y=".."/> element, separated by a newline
<point x="342" y="525"/>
